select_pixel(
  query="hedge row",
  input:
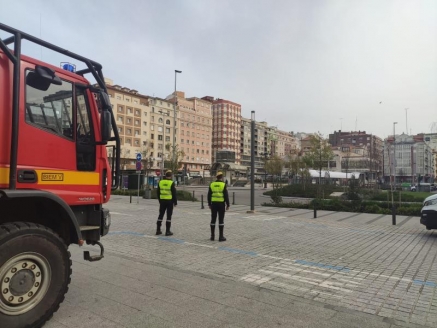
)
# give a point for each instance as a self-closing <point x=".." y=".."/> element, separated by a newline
<point x="181" y="194"/>
<point x="356" y="206"/>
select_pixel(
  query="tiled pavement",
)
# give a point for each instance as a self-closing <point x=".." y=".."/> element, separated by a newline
<point x="336" y="263"/>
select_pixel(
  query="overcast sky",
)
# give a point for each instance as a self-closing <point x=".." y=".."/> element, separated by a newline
<point x="302" y="65"/>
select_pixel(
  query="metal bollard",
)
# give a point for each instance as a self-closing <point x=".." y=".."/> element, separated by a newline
<point x="201" y="200"/>
<point x="393" y="215"/>
<point x="315" y="212"/>
<point x="233" y="198"/>
<point x="130" y="201"/>
<point x="193" y="195"/>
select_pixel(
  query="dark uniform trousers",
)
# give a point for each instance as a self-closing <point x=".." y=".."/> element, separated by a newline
<point x="165" y="205"/>
<point x="218" y="208"/>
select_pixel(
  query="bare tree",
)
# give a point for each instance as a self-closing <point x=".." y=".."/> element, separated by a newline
<point x="176" y="161"/>
<point x="274" y="166"/>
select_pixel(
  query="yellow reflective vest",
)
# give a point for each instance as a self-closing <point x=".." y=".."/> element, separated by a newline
<point x="165" y="189"/>
<point x="217" y="188"/>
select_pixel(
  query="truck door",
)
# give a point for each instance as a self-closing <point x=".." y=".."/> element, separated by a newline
<point x="57" y="149"/>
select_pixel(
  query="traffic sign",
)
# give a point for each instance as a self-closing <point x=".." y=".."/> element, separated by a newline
<point x="139" y="166"/>
<point x="138" y="172"/>
<point x="139" y="157"/>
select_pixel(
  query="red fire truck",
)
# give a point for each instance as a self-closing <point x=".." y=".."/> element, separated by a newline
<point x="54" y="175"/>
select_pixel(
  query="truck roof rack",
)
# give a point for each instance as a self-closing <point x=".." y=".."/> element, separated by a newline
<point x="15" y="57"/>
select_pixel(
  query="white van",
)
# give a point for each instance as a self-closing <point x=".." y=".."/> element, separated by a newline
<point x="428" y="216"/>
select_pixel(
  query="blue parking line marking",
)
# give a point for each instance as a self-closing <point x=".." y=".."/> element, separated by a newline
<point x="172" y="240"/>
<point x="321" y="265"/>
<point x="425" y="283"/>
<point x="126" y="233"/>
<point x="237" y="251"/>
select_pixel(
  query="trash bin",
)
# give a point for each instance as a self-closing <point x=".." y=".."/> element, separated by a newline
<point x="147" y="193"/>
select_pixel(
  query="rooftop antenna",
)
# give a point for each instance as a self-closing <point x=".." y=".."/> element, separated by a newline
<point x="406" y="120"/>
<point x="40" y="23"/>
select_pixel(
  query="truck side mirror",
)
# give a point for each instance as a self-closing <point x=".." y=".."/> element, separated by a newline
<point x="105" y="102"/>
<point x="42" y="78"/>
<point x="105" y="125"/>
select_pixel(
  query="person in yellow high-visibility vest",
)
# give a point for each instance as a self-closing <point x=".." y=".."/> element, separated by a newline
<point x="218" y="198"/>
<point x="167" y="200"/>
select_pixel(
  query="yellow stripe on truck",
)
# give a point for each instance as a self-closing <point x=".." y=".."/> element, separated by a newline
<point x="59" y="177"/>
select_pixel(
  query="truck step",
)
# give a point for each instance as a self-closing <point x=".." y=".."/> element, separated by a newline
<point x="85" y="228"/>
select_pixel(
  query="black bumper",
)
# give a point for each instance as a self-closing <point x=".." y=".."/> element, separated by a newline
<point x="429" y="219"/>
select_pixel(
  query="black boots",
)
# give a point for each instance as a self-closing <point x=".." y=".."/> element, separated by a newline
<point x="221" y="237"/>
<point x="158" y="228"/>
<point x="212" y="232"/>
<point x="167" y="229"/>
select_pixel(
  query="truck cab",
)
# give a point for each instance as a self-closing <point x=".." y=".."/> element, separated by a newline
<point x="55" y="176"/>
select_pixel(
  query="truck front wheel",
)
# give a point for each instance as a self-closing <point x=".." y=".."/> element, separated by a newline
<point x="35" y="269"/>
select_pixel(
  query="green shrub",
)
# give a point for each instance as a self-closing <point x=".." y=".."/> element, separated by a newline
<point x="181" y="194"/>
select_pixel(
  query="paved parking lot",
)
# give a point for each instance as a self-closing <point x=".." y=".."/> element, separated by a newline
<point x="279" y="267"/>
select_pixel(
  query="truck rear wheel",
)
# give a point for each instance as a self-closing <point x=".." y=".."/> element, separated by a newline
<point x="35" y="269"/>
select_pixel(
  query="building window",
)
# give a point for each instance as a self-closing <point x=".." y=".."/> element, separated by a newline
<point x="167" y="122"/>
<point x="129" y="141"/>
<point x="144" y="123"/>
<point x="137" y="112"/>
<point x="120" y="119"/>
<point x="129" y="110"/>
<point x="145" y="113"/>
<point x="137" y="122"/>
<point x="167" y="138"/>
<point x="137" y="143"/>
<point x="137" y="132"/>
<point x="129" y="131"/>
<point x="152" y="136"/>
<point x="167" y="130"/>
<point x="159" y="137"/>
<point x="129" y="120"/>
<point x="120" y="109"/>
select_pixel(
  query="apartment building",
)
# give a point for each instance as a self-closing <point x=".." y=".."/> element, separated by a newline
<point x="144" y="124"/>
<point x="262" y="146"/>
<point x="282" y="143"/>
<point x="226" y="127"/>
<point x="161" y="130"/>
<point x="361" y="150"/>
<point x="408" y="156"/>
<point x="194" y="132"/>
<point x="130" y="110"/>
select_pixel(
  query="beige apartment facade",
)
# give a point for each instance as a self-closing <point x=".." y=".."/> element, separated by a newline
<point x="144" y="125"/>
<point x="194" y="133"/>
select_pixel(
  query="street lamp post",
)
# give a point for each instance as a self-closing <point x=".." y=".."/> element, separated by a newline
<point x="174" y="113"/>
<point x="394" y="154"/>
<point x="252" y="163"/>
<point x="393" y="209"/>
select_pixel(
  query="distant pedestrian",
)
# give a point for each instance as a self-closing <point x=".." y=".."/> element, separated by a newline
<point x="218" y="202"/>
<point x="166" y="194"/>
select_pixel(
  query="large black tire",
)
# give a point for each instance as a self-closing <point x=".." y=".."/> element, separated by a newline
<point x="35" y="270"/>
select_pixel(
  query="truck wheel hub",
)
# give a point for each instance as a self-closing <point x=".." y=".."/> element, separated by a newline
<point x="24" y="282"/>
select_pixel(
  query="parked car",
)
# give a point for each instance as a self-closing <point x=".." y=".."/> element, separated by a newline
<point x="428" y="214"/>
